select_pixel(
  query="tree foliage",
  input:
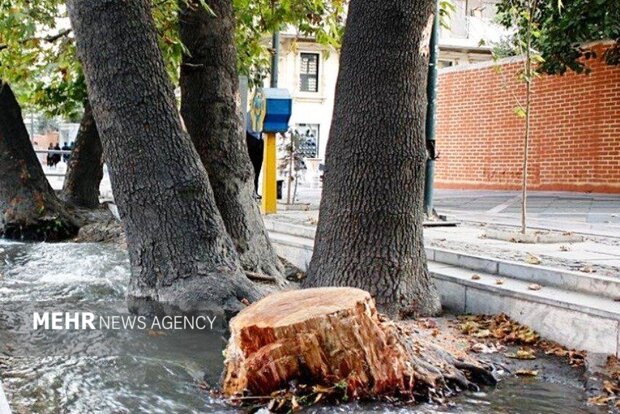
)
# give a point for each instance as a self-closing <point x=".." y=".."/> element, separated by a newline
<point x="563" y="29"/>
<point x="320" y="19"/>
<point x="37" y="51"/>
<point x="37" y="56"/>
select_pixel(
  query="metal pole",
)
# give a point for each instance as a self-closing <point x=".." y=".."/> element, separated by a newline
<point x="431" y="99"/>
<point x="275" y="45"/>
<point x="31" y="126"/>
<point x="290" y="170"/>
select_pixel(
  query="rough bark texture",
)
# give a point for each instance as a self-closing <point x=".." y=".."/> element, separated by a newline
<point x="85" y="169"/>
<point x="30" y="209"/>
<point x="370" y="224"/>
<point x="209" y="89"/>
<point x="328" y="335"/>
<point x="179" y="250"/>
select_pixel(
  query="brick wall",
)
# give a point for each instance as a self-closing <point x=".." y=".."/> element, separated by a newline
<point x="575" y="141"/>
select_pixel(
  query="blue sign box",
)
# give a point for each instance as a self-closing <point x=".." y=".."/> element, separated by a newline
<point x="279" y="107"/>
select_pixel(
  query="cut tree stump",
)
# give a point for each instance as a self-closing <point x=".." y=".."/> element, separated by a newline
<point x="334" y="336"/>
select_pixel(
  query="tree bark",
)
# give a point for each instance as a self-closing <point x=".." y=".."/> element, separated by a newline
<point x="85" y="169"/>
<point x="370" y="224"/>
<point x="331" y="336"/>
<point x="179" y="250"/>
<point x="209" y="90"/>
<point x="29" y="206"/>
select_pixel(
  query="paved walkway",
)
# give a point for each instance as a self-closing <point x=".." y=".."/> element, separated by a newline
<point x="595" y="214"/>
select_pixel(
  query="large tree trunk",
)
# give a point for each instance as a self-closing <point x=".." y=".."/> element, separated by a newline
<point x="370" y="224"/>
<point x="209" y="88"/>
<point x="30" y="209"/>
<point x="179" y="250"/>
<point x="85" y="169"/>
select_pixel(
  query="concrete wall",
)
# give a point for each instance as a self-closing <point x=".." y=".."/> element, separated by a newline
<point x="575" y="140"/>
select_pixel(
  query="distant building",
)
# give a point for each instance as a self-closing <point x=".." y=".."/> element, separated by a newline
<point x="309" y="70"/>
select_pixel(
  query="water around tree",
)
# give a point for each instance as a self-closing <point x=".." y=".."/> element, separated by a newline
<point x="143" y="371"/>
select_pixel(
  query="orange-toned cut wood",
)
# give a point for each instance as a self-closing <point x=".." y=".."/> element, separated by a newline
<point x="326" y="336"/>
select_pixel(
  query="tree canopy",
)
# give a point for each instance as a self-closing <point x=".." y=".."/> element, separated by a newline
<point x="37" y="51"/>
<point x="563" y="28"/>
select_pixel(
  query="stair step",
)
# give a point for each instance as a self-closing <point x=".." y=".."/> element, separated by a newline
<point x="574" y="319"/>
<point x="579" y="320"/>
<point x="589" y="283"/>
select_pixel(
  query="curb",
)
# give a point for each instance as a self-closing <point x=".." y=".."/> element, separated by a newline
<point x="4" y="403"/>
<point x="604" y="286"/>
<point x="565" y="310"/>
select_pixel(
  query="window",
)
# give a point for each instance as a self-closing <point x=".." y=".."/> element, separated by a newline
<point x="309" y="139"/>
<point x="309" y="73"/>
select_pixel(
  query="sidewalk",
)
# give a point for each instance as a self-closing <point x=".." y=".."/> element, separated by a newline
<point x="586" y="213"/>
<point x="592" y="214"/>
<point x="596" y="216"/>
<point x="568" y="292"/>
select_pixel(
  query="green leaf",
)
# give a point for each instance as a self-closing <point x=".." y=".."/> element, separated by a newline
<point x="520" y="112"/>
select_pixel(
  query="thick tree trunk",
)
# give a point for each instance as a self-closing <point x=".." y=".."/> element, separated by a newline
<point x="30" y="209"/>
<point x="179" y="250"/>
<point x="85" y="169"/>
<point x="370" y="225"/>
<point x="209" y="89"/>
<point x="334" y="337"/>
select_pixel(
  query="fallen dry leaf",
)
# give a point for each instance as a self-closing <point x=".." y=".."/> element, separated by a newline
<point x="469" y="327"/>
<point x="502" y="328"/>
<point x="499" y="281"/>
<point x="245" y="302"/>
<point x="475" y="277"/>
<point x="587" y="268"/>
<point x="429" y="323"/>
<point x="564" y="248"/>
<point x="484" y="333"/>
<point x="610" y="387"/>
<point x="526" y="373"/>
<point x="522" y="353"/>
<point x="600" y="399"/>
<point x="534" y="286"/>
<point x="481" y="348"/>
<point x="294" y="404"/>
<point x="531" y="259"/>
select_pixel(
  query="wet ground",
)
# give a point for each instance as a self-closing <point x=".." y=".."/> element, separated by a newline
<point x="133" y="370"/>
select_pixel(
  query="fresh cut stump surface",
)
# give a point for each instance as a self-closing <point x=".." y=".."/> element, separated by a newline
<point x="326" y="336"/>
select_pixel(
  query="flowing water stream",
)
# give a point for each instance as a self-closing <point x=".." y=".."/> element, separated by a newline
<point x="140" y="370"/>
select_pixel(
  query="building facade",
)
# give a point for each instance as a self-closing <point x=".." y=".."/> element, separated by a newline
<point x="574" y="128"/>
<point x="309" y="70"/>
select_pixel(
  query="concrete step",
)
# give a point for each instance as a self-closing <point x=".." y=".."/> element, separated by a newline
<point x="576" y="320"/>
<point x="4" y="403"/>
<point x="282" y="227"/>
<point x="297" y="250"/>
<point x="579" y="320"/>
<point x="590" y="283"/>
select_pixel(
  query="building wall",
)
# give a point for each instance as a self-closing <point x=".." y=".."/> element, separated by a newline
<point x="317" y="107"/>
<point x="310" y="107"/>
<point x="575" y="129"/>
